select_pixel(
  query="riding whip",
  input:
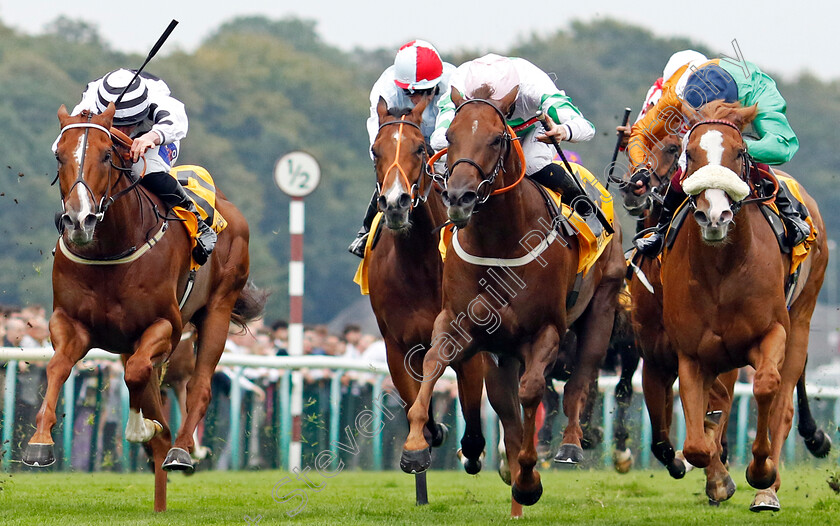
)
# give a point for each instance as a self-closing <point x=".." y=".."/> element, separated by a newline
<point x="620" y="134"/>
<point x="151" y="55"/>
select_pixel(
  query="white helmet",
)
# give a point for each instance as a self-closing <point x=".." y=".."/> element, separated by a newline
<point x="134" y="106"/>
<point x="494" y="71"/>
<point x="417" y="66"/>
<point x="680" y="59"/>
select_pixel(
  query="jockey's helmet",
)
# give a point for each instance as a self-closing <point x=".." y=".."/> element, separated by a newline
<point x="134" y="106"/>
<point x="680" y="59"/>
<point x="493" y="71"/>
<point x="417" y="66"/>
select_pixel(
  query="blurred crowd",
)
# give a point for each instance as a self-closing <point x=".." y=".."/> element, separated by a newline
<point x="97" y="424"/>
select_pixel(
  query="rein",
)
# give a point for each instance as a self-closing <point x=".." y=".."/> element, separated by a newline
<point x="414" y="190"/>
<point x="509" y="137"/>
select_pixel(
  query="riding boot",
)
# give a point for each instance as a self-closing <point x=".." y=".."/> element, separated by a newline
<point x="357" y="247"/>
<point x="796" y="227"/>
<point x="555" y="177"/>
<point x="652" y="245"/>
<point x="172" y="194"/>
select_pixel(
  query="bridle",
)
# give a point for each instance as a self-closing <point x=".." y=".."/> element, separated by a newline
<point x="116" y="138"/>
<point x="487" y="180"/>
<point x="417" y="196"/>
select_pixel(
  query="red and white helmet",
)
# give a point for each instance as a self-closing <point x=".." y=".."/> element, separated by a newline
<point x="417" y="66"/>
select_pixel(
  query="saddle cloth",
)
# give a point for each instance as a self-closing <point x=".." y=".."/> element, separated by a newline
<point x="199" y="186"/>
<point x="361" y="277"/>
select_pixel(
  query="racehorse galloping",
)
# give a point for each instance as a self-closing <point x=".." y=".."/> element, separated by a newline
<point x="120" y="270"/>
<point x="659" y="369"/>
<point x="405" y="272"/>
<point x="521" y="322"/>
<point x="724" y="296"/>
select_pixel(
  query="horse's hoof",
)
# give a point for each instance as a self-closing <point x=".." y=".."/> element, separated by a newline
<point x="623" y="460"/>
<point x="765" y="500"/>
<point x="178" y="460"/>
<point x="441" y="435"/>
<point x="676" y="469"/>
<point x="721" y="490"/>
<point x="527" y="498"/>
<point x="762" y="483"/>
<point x="714" y="503"/>
<point x="39" y="455"/>
<point x="471" y="466"/>
<point x="569" y="454"/>
<point x="819" y="445"/>
<point x="416" y="461"/>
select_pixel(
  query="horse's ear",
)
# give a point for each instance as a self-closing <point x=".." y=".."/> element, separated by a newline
<point x="108" y="114"/>
<point x="420" y="107"/>
<point x="457" y="98"/>
<point x="743" y="116"/>
<point x="382" y="109"/>
<point x="508" y="100"/>
<point x="62" y="114"/>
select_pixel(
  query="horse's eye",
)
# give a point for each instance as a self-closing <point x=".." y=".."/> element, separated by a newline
<point x="421" y="150"/>
<point x="107" y="157"/>
<point x="673" y="149"/>
<point x="497" y="141"/>
<point x="373" y="152"/>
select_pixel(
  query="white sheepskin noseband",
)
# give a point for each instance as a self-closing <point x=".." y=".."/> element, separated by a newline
<point x="716" y="176"/>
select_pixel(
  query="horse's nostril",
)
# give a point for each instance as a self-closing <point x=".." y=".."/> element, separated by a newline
<point x="701" y="217"/>
<point x="382" y="203"/>
<point x="405" y="201"/>
<point x="89" y="222"/>
<point x="445" y="198"/>
<point x="468" y="198"/>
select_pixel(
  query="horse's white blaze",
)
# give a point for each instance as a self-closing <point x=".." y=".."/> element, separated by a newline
<point x="84" y="198"/>
<point x="393" y="193"/>
<point x="718" y="204"/>
<point x="396" y="136"/>
<point x="139" y="429"/>
<point x="712" y="142"/>
<point x="475" y="126"/>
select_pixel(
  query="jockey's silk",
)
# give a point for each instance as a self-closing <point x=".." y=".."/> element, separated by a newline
<point x="777" y="143"/>
<point x="199" y="186"/>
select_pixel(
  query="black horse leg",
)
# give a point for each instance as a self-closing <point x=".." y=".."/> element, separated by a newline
<point x="817" y="442"/>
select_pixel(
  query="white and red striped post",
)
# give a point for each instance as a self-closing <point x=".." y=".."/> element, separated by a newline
<point x="297" y="174"/>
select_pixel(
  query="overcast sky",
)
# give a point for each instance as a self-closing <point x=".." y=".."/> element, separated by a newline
<point x="807" y="41"/>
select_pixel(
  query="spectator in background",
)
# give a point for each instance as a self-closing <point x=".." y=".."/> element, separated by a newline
<point x="30" y="377"/>
<point x="280" y="336"/>
<point x="352" y="334"/>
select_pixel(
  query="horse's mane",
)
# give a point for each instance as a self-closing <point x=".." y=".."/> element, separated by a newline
<point x="729" y="111"/>
<point x="485" y="91"/>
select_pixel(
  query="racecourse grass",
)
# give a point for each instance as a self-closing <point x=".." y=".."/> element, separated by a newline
<point x="571" y="497"/>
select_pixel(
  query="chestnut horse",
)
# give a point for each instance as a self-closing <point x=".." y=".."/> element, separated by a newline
<point x="513" y="308"/>
<point x="724" y="303"/>
<point x="405" y="272"/>
<point x="660" y="364"/>
<point x="120" y="270"/>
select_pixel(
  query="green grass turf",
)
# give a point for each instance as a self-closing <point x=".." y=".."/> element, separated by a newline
<point x="571" y="497"/>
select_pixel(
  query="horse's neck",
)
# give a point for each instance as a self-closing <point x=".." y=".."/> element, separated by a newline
<point x="738" y="250"/>
<point x="504" y="219"/>
<point x="421" y="240"/>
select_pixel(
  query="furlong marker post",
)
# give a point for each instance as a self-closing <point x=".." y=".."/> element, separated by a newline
<point x="297" y="174"/>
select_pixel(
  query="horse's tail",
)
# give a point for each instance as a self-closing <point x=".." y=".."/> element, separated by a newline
<point x="249" y="305"/>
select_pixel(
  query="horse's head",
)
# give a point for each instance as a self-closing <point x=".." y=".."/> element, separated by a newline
<point x="399" y="156"/>
<point x="717" y="166"/>
<point x="84" y="153"/>
<point x="666" y="154"/>
<point x="479" y="146"/>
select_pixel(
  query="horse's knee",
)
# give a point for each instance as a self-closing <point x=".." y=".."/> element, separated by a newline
<point x="766" y="384"/>
<point x="531" y="390"/>
<point x="137" y="374"/>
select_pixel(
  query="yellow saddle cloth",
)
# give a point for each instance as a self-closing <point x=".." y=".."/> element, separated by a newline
<point x="361" y="277"/>
<point x="198" y="183"/>
<point x="800" y="252"/>
<point x="590" y="246"/>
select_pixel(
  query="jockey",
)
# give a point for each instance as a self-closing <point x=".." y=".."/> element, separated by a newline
<point x="537" y="92"/>
<point x="156" y="122"/>
<point x="417" y="72"/>
<point x="689" y="87"/>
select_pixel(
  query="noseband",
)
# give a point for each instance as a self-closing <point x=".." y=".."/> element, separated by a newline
<point x="417" y="197"/>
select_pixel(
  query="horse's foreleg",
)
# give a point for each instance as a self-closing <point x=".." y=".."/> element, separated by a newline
<point x="71" y="343"/>
<point x="470" y="386"/>
<point x="151" y="406"/>
<point x="503" y="392"/>
<point x="406" y="367"/>
<point x="623" y="457"/>
<point x="657" y="388"/>
<point x="694" y="395"/>
<point x="154" y="344"/>
<point x="719" y="485"/>
<point x="527" y="488"/>
<point x="767" y="359"/>
<point x="416" y="456"/>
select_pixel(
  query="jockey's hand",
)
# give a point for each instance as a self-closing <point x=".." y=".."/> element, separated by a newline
<point x="144" y="142"/>
<point x="639" y="181"/>
<point x="625" y="135"/>
<point x="558" y="132"/>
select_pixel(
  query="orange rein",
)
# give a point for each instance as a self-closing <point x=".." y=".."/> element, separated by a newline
<point x="516" y="146"/>
<point x="124" y="140"/>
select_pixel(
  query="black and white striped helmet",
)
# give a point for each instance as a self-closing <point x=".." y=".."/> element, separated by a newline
<point x="134" y="106"/>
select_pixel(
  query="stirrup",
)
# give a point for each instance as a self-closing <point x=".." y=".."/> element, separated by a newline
<point x="205" y="242"/>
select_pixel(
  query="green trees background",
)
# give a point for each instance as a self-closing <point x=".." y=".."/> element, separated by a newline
<point x="257" y="89"/>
